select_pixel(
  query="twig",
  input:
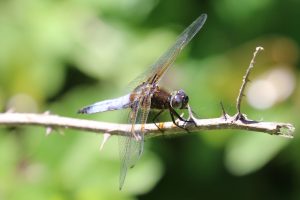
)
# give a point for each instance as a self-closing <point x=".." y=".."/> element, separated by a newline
<point x="245" y="81"/>
<point x="239" y="121"/>
<point x="151" y="130"/>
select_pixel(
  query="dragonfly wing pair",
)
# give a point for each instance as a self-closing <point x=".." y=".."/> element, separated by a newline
<point x="131" y="147"/>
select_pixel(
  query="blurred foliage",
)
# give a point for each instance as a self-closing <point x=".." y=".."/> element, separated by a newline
<point x="62" y="55"/>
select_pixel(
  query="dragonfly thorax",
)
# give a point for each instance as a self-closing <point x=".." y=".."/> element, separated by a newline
<point x="179" y="100"/>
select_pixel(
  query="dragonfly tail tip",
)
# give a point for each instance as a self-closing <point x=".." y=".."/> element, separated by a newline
<point x="82" y="111"/>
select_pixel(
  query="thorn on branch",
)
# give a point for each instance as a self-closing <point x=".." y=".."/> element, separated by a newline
<point x="191" y="113"/>
<point x="10" y="110"/>
<point x="49" y="130"/>
<point x="106" y="136"/>
<point x="224" y="114"/>
<point x="47" y="112"/>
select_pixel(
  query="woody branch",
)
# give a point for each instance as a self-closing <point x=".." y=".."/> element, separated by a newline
<point x="53" y="122"/>
<point x="237" y="121"/>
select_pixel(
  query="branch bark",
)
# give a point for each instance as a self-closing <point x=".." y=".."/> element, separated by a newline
<point x="239" y="121"/>
<point x="53" y="122"/>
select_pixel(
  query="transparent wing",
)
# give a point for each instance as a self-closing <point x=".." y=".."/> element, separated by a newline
<point x="128" y="145"/>
<point x="131" y="147"/>
<point x="166" y="60"/>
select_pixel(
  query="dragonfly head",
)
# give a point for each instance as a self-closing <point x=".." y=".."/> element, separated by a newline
<point x="179" y="100"/>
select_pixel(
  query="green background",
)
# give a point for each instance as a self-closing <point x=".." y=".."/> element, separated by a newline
<point x="58" y="56"/>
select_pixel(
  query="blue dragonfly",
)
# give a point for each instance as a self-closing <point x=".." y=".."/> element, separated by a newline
<point x="146" y="96"/>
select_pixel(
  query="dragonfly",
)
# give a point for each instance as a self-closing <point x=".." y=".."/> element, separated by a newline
<point x="146" y="96"/>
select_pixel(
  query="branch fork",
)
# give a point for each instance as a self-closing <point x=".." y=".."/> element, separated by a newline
<point x="238" y="121"/>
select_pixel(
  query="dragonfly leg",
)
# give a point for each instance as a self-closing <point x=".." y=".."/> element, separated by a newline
<point x="154" y="120"/>
<point x="174" y="113"/>
<point x="136" y="136"/>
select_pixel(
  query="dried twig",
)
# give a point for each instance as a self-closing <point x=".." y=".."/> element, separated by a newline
<point x="245" y="81"/>
<point x="238" y="121"/>
<point x="166" y="128"/>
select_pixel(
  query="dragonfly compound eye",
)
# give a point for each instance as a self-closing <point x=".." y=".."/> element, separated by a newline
<point x="179" y="100"/>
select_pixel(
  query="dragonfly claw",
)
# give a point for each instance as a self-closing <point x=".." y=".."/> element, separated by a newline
<point x="137" y="137"/>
